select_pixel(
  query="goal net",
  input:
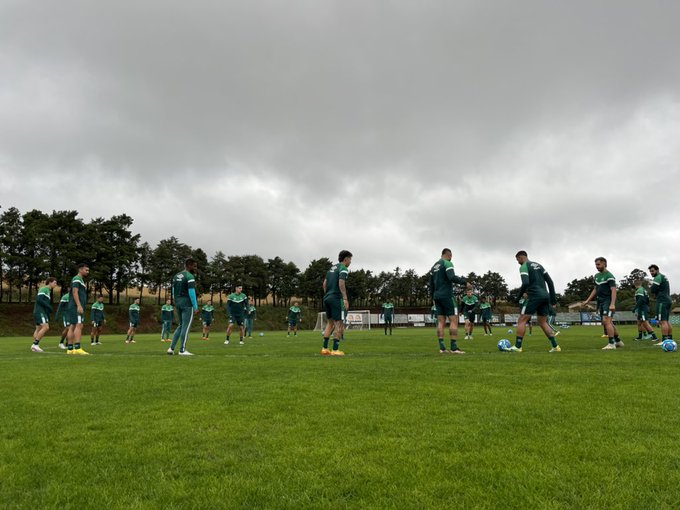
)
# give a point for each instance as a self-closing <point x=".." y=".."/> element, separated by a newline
<point x="356" y="319"/>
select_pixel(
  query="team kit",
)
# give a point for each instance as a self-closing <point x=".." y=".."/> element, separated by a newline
<point x="537" y="297"/>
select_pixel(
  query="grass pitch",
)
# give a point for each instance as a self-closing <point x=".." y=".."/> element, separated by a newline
<point x="272" y="424"/>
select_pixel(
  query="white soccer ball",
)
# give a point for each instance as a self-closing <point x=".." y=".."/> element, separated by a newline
<point x="261" y="334"/>
<point x="510" y="331"/>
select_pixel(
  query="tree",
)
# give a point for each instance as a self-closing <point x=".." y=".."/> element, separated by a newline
<point x="579" y="289"/>
<point x="311" y="284"/>
<point x="218" y="267"/>
<point x="493" y="286"/>
<point x="628" y="282"/>
<point x="12" y="226"/>
<point x="34" y="252"/>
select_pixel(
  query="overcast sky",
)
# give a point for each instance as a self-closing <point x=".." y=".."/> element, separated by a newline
<point x="390" y="128"/>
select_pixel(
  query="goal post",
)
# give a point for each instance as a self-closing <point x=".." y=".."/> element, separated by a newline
<point x="355" y="319"/>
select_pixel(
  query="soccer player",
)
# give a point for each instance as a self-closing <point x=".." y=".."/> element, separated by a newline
<point x="62" y="313"/>
<point x="388" y="315"/>
<point x="42" y="310"/>
<point x="485" y="308"/>
<point x="76" y="311"/>
<point x="97" y="319"/>
<point x="133" y="313"/>
<point x="207" y="315"/>
<point x="167" y="318"/>
<point x="470" y="302"/>
<point x="605" y="289"/>
<point x="335" y="301"/>
<point x="184" y="295"/>
<point x="534" y="279"/>
<point x="237" y="303"/>
<point x="442" y="278"/>
<point x="661" y="289"/>
<point x="251" y="316"/>
<point x="294" y="316"/>
<point x="645" y="329"/>
<point x="522" y="302"/>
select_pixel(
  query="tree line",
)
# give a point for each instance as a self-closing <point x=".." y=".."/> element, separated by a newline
<point x="35" y="245"/>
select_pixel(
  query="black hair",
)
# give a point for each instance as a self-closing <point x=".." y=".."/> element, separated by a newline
<point x="521" y="253"/>
<point x="654" y="266"/>
<point x="446" y="251"/>
<point x="601" y="259"/>
<point x="344" y="254"/>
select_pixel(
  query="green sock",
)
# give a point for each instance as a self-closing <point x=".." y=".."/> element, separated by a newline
<point x="76" y="346"/>
<point x="442" y="347"/>
<point x="611" y="340"/>
<point x="518" y="341"/>
<point x="70" y="347"/>
<point x="325" y="342"/>
<point x="553" y="342"/>
<point x="454" y="344"/>
<point x="336" y="344"/>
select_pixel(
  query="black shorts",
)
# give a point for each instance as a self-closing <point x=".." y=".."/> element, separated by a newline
<point x="538" y="306"/>
<point x="333" y="308"/>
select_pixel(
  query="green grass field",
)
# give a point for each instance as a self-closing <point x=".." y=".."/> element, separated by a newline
<point x="392" y="425"/>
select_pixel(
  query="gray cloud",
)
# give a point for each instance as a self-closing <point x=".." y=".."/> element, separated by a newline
<point x="391" y="128"/>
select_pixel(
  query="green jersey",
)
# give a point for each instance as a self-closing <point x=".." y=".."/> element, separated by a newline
<point x="251" y="312"/>
<point x="184" y="290"/>
<point x="63" y="305"/>
<point x="294" y="313"/>
<point x="207" y="312"/>
<point x="641" y="299"/>
<point x="133" y="312"/>
<point x="78" y="285"/>
<point x="661" y="288"/>
<point x="442" y="278"/>
<point x="43" y="302"/>
<point x="336" y="273"/>
<point x="237" y="304"/>
<point x="388" y="310"/>
<point x="167" y="313"/>
<point x="604" y="282"/>
<point x="534" y="280"/>
<point x="485" y="306"/>
<point x="97" y="312"/>
<point x="470" y="302"/>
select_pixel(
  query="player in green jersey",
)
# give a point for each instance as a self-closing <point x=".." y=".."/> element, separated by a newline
<point x="207" y="316"/>
<point x="335" y="303"/>
<point x="42" y="311"/>
<point x="534" y="280"/>
<point x="605" y="290"/>
<point x="76" y="311"/>
<point x="251" y="316"/>
<point x="645" y="329"/>
<point x="167" y="318"/>
<point x="184" y="295"/>
<point x="470" y="302"/>
<point x="237" y="303"/>
<point x="388" y="315"/>
<point x="661" y="289"/>
<point x="97" y="319"/>
<point x="442" y="278"/>
<point x="62" y="315"/>
<point x="133" y="314"/>
<point x="294" y="317"/>
<point x="485" y="308"/>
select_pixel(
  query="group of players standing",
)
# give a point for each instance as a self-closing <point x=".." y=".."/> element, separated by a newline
<point x="537" y="297"/>
<point x="71" y="311"/>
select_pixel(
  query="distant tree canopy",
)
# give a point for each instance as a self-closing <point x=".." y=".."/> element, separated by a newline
<point x="35" y="245"/>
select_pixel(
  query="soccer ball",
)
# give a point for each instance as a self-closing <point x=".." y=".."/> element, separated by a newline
<point x="261" y="334"/>
<point x="510" y="331"/>
<point x="669" y="345"/>
<point x="504" y="344"/>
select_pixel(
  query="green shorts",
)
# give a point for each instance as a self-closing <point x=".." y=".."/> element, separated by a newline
<point x="236" y="319"/>
<point x="333" y="308"/>
<point x="538" y="306"/>
<point x="134" y="324"/>
<point x="470" y="316"/>
<point x="603" y="309"/>
<point x="642" y="315"/>
<point x="446" y="307"/>
<point x="40" y="319"/>
<point x="207" y="324"/>
<point x="388" y="320"/>
<point x="486" y="317"/>
<point x="73" y="317"/>
<point x="65" y="320"/>
<point x="663" y="311"/>
<point x="97" y="324"/>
